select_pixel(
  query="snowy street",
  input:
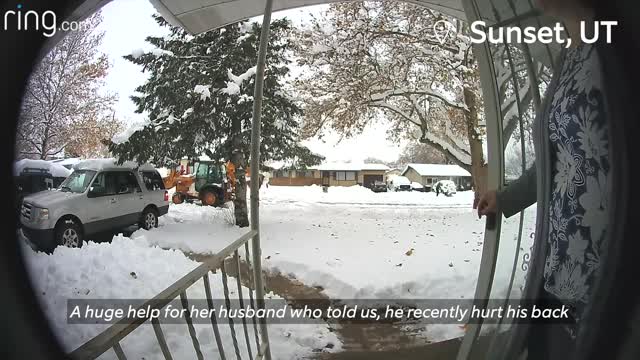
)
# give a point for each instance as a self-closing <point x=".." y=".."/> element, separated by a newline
<point x="349" y="243"/>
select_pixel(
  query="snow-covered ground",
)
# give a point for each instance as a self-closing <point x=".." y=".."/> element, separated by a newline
<point x="358" y="244"/>
<point x="132" y="269"/>
<point x="359" y="196"/>
<point x="350" y="241"/>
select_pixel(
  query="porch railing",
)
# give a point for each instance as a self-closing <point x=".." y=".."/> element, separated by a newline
<point x="111" y="337"/>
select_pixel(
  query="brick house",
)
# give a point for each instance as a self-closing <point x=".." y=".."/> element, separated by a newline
<point x="331" y="174"/>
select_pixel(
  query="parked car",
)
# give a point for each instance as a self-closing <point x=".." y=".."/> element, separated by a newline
<point x="379" y="186"/>
<point x="400" y="183"/>
<point x="98" y="196"/>
<point x="416" y="186"/>
<point x="446" y="187"/>
<point x="32" y="176"/>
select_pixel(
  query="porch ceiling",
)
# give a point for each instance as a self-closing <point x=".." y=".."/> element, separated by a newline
<point x="197" y="16"/>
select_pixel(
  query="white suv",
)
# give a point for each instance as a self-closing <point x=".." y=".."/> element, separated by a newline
<point x="97" y="196"/>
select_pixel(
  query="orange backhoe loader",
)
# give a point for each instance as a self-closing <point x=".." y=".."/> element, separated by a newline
<point x="212" y="182"/>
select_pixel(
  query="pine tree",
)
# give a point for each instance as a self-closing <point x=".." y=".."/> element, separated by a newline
<point x="199" y="100"/>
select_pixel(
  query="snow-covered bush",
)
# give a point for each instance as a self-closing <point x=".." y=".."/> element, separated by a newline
<point x="446" y="187"/>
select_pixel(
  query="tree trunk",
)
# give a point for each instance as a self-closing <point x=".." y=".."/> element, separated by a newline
<point x="479" y="169"/>
<point x="238" y="160"/>
<point x="45" y="143"/>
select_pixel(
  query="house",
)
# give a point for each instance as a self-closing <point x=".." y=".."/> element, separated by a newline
<point x="391" y="173"/>
<point x="429" y="174"/>
<point x="348" y="174"/>
<point x="330" y="174"/>
<point x="293" y="177"/>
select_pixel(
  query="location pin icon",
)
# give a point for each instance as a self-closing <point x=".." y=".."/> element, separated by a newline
<point x="441" y="30"/>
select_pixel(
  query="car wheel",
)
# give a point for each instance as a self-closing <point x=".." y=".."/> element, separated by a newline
<point x="69" y="234"/>
<point x="209" y="198"/>
<point x="149" y="219"/>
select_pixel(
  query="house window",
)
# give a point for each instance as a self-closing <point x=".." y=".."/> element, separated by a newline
<point x="345" y="175"/>
<point x="429" y="181"/>
<point x="305" y="173"/>
<point x="282" y="173"/>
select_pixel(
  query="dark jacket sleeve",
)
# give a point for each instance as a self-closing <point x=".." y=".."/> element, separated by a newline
<point x="518" y="195"/>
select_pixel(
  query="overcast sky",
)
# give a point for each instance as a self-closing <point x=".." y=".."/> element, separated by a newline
<point x="128" y="22"/>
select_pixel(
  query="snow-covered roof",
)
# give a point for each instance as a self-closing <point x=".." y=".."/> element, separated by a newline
<point x="68" y="161"/>
<point x="335" y="166"/>
<point x="437" y="170"/>
<point x="55" y="169"/>
<point x="277" y="165"/>
<point x="110" y="163"/>
<point x="400" y="180"/>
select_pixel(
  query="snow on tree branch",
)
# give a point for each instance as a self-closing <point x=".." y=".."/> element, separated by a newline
<point x="233" y="86"/>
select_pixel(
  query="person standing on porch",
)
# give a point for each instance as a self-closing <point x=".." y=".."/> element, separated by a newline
<point x="571" y="189"/>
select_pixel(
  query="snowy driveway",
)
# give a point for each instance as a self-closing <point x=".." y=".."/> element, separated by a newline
<point x="385" y="246"/>
<point x="354" y="243"/>
<point x="350" y="242"/>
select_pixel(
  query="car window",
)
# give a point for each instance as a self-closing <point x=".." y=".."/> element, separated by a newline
<point x="78" y="181"/>
<point x="152" y="180"/>
<point x="115" y="183"/>
<point x="99" y="186"/>
<point x="126" y="182"/>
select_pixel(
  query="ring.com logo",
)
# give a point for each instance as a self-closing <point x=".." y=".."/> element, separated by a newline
<point x="46" y="21"/>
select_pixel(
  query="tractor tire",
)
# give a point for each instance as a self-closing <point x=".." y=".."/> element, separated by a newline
<point x="177" y="198"/>
<point x="209" y="198"/>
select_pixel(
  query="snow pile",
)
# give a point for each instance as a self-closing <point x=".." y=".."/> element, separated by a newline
<point x="55" y="169"/>
<point x="127" y="269"/>
<point x="100" y="271"/>
<point x="193" y="229"/>
<point x="204" y="92"/>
